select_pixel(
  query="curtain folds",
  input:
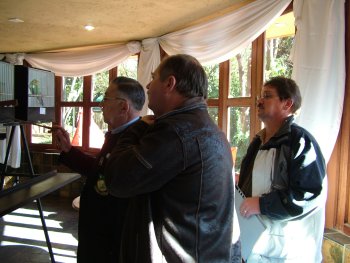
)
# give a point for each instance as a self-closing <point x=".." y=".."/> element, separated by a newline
<point x="222" y="38"/>
<point x="214" y="41"/>
<point x="148" y="62"/>
<point x="83" y="62"/>
<point x="319" y="67"/>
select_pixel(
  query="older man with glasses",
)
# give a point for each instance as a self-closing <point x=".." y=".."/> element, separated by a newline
<point x="101" y="216"/>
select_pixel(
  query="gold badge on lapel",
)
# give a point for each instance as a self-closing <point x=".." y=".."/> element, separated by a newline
<point x="100" y="186"/>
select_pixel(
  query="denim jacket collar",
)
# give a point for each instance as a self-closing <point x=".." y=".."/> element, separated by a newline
<point x="190" y="104"/>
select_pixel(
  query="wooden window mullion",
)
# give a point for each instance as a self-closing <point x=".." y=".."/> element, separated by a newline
<point x="113" y="73"/>
<point x="87" y="90"/>
<point x="257" y="79"/>
<point x="224" y="86"/>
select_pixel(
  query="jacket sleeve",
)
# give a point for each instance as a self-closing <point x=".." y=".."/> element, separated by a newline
<point x="78" y="161"/>
<point x="143" y="162"/>
<point x="306" y="172"/>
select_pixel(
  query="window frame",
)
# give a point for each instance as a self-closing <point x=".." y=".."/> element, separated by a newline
<point x="223" y="103"/>
<point x="86" y="104"/>
<point x="338" y="201"/>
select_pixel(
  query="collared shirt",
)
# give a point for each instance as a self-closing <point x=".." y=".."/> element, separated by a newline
<point x="124" y="126"/>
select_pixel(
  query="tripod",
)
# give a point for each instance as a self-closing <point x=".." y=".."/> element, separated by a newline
<point x="31" y="174"/>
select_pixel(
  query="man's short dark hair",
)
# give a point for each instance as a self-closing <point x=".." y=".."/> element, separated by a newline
<point x="286" y="89"/>
<point x="191" y="80"/>
<point x="132" y="89"/>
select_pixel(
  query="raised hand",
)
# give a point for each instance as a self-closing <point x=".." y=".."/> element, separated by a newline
<point x="62" y="139"/>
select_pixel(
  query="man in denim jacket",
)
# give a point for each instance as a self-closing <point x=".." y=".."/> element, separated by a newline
<point x="179" y="173"/>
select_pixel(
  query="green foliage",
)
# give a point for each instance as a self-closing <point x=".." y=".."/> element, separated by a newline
<point x="212" y="72"/>
<point x="128" y="68"/>
<point x="100" y="84"/>
<point x="280" y="64"/>
<point x="239" y="132"/>
<point x="240" y="116"/>
<point x="213" y="113"/>
<point x="240" y="73"/>
<point x="73" y="89"/>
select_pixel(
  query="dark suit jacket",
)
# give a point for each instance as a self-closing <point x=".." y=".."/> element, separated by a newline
<point x="100" y="217"/>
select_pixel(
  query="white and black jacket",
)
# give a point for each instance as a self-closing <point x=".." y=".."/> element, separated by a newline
<point x="293" y="207"/>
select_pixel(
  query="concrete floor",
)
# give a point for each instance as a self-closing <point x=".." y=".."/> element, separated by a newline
<point x="22" y="239"/>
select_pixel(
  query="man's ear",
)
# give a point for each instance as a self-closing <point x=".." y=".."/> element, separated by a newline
<point x="288" y="104"/>
<point x="171" y="83"/>
<point x="125" y="106"/>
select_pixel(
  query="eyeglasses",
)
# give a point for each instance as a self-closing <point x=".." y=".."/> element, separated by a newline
<point x="112" y="98"/>
<point x="266" y="96"/>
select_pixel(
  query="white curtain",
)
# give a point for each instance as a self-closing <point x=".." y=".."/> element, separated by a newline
<point x="222" y="38"/>
<point x="82" y="62"/>
<point x="319" y="67"/>
<point x="148" y="62"/>
<point x="214" y="41"/>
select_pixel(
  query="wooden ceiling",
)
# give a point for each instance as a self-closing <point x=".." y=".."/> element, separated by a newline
<point x="52" y="25"/>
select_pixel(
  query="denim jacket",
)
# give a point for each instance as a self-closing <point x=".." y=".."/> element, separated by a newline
<point x="179" y="175"/>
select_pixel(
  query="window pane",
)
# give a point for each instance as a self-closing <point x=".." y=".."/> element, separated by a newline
<point x="240" y="71"/>
<point x="238" y="131"/>
<point x="100" y="83"/>
<point x="278" y="44"/>
<point x="72" y="89"/>
<point x="128" y="68"/>
<point x="214" y="114"/>
<point x="98" y="128"/>
<point x="212" y="72"/>
<point x="42" y="135"/>
<point x="72" y="122"/>
<point x="277" y="59"/>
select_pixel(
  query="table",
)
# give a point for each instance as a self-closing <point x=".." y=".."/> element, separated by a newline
<point x="33" y="189"/>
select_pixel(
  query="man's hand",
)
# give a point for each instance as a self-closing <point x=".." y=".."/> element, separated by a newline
<point x="149" y="119"/>
<point x="62" y="139"/>
<point x="250" y="206"/>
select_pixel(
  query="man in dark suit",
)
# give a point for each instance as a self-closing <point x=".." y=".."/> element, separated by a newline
<point x="101" y="215"/>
